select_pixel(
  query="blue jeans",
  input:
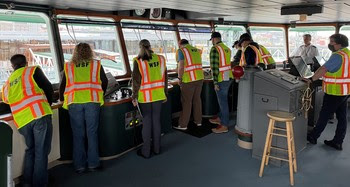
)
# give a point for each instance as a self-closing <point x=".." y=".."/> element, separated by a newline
<point x="37" y="135"/>
<point x="332" y="104"/>
<point x="222" y="95"/>
<point x="84" y="120"/>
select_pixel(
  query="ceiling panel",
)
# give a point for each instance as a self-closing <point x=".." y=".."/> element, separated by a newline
<point x="267" y="11"/>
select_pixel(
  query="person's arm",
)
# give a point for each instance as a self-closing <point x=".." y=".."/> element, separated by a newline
<point x="166" y="83"/>
<point x="214" y="64"/>
<point x="44" y="84"/>
<point x="181" y="67"/>
<point x="136" y="80"/>
<point x="332" y="65"/>
<point x="62" y="86"/>
<point x="104" y="79"/>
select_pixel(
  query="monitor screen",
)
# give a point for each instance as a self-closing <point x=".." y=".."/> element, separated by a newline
<point x="320" y="60"/>
<point x="301" y="66"/>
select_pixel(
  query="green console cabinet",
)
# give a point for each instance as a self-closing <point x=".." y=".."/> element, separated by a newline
<point x="210" y="106"/>
<point x="5" y="150"/>
<point x="116" y="135"/>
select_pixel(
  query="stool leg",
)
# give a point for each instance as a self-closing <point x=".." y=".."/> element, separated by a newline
<point x="269" y="143"/>
<point x="265" y="148"/>
<point x="291" y="174"/>
<point x="293" y="149"/>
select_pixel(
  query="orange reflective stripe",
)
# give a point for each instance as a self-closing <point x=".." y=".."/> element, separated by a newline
<point x="26" y="102"/>
<point x="83" y="86"/>
<point x="221" y="55"/>
<point x="264" y="56"/>
<point x="70" y="69"/>
<point x="152" y="85"/>
<point x="346" y="63"/>
<point x="27" y="82"/>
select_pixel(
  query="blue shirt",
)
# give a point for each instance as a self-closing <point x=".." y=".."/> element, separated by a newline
<point x="180" y="55"/>
<point x="334" y="63"/>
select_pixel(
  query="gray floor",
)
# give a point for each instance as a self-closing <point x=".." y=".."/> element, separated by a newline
<point x="214" y="160"/>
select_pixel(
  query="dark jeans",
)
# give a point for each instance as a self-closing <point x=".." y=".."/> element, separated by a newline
<point x="332" y="104"/>
<point x="37" y="135"/>
<point x="84" y="120"/>
<point x="222" y="96"/>
<point x="151" y="126"/>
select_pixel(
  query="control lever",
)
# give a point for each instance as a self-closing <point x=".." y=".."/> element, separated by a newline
<point x="138" y="108"/>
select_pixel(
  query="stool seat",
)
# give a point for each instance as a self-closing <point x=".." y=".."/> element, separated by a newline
<point x="281" y="116"/>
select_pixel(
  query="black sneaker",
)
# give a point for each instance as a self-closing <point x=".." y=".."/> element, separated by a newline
<point x="311" y="139"/>
<point x="336" y="146"/>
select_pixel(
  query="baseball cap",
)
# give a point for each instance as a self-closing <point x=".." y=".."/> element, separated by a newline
<point x="215" y="35"/>
<point x="244" y="37"/>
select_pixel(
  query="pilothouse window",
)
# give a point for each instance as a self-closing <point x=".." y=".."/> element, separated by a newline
<point x="319" y="38"/>
<point x="27" y="33"/>
<point x="160" y="34"/>
<point x="198" y="35"/>
<point x="100" y="33"/>
<point x="273" y="38"/>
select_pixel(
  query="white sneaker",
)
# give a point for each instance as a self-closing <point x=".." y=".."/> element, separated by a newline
<point x="199" y="124"/>
<point x="180" y="128"/>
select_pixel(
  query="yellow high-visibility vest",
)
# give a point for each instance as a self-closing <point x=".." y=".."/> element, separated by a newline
<point x="338" y="83"/>
<point x="83" y="83"/>
<point x="153" y="76"/>
<point x="266" y="55"/>
<point x="26" y="99"/>
<point x="192" y="64"/>
<point x="225" y="70"/>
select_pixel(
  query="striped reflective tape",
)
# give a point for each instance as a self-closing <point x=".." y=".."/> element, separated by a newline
<point x="152" y="85"/>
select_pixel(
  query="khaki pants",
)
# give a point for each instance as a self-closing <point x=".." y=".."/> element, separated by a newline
<point x="191" y="94"/>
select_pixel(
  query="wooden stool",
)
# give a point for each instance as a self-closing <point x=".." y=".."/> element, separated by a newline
<point x="289" y="134"/>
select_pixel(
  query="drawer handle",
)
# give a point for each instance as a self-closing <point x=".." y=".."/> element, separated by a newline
<point x="264" y="100"/>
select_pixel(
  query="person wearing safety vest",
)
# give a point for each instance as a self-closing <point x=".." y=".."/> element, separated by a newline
<point x="251" y="55"/>
<point x="267" y="57"/>
<point x="220" y="64"/>
<point x="29" y="94"/>
<point x="82" y="88"/>
<point x="190" y="75"/>
<point x="336" y="86"/>
<point x="149" y="85"/>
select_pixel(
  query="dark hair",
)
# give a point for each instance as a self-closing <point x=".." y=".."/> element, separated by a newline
<point x="307" y="35"/>
<point x="18" y="61"/>
<point x="340" y="39"/>
<point x="183" y="42"/>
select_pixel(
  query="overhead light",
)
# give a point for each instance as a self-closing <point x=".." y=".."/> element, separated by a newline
<point x="140" y="12"/>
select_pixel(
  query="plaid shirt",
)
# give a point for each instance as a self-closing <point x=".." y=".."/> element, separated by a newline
<point x="214" y="63"/>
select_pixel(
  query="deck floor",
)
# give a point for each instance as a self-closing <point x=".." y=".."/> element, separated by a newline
<point x="214" y="160"/>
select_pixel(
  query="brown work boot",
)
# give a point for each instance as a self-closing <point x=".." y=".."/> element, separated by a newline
<point x="220" y="129"/>
<point x="215" y="121"/>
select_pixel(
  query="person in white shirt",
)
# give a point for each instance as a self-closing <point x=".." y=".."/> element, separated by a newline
<point x="306" y="50"/>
